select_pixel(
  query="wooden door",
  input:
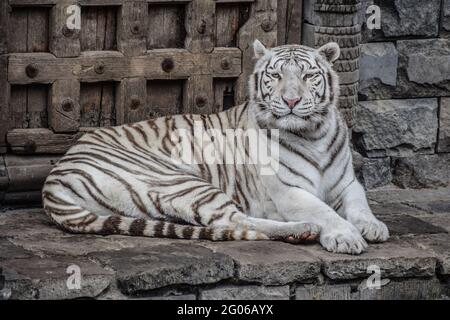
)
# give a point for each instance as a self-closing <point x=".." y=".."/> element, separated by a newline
<point x="130" y="60"/>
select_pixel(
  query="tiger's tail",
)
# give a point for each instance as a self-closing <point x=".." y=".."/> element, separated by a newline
<point x="75" y="219"/>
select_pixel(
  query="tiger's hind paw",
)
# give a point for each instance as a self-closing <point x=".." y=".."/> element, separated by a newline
<point x="302" y="233"/>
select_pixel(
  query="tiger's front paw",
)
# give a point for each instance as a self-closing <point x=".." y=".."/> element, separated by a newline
<point x="343" y="239"/>
<point x="372" y="229"/>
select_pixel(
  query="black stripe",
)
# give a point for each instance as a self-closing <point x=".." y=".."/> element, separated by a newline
<point x="137" y="227"/>
<point x="158" y="229"/>
<point x="188" y="231"/>
<point x="303" y="156"/>
<point x="295" y="172"/>
<point x="111" y="225"/>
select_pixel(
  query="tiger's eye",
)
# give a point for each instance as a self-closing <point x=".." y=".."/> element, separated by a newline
<point x="276" y="75"/>
<point x="306" y="77"/>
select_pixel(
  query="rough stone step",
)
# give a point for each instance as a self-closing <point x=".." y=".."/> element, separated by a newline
<point x="35" y="259"/>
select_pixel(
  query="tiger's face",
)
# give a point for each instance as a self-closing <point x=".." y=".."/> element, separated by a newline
<point x="294" y="86"/>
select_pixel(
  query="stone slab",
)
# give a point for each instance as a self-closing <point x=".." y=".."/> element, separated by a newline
<point x="434" y="207"/>
<point x="422" y="171"/>
<point x="143" y="269"/>
<point x="47" y="277"/>
<point x="269" y="262"/>
<point x="403" y="225"/>
<point x="439" y="220"/>
<point x="396" y="208"/>
<point x="397" y="195"/>
<point x="395" y="258"/>
<point x="323" y="292"/>
<point x="229" y="292"/>
<point x="414" y="289"/>
<point x="439" y="245"/>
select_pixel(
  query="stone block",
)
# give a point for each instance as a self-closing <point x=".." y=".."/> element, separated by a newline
<point x="172" y="297"/>
<point x="404" y="289"/>
<point x="422" y="171"/>
<point x="375" y="172"/>
<point x="446" y="16"/>
<point x="378" y="63"/>
<point x="251" y="292"/>
<point x="323" y="292"/>
<point x="396" y="127"/>
<point x="423" y="71"/>
<point x="142" y="269"/>
<point x="269" y="262"/>
<point x="403" y="18"/>
<point x="443" y="144"/>
<point x="411" y="289"/>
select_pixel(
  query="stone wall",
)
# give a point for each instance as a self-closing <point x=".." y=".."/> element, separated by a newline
<point x="395" y="85"/>
<point x="402" y="122"/>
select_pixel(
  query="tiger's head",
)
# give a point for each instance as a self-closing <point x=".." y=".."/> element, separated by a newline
<point x="293" y="86"/>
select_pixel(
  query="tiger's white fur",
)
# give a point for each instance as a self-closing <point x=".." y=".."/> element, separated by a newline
<point x="124" y="180"/>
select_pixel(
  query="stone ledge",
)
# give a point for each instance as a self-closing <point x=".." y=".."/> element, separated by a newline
<point x="34" y="260"/>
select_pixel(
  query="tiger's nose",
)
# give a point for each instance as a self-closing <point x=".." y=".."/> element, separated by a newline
<point x="291" y="102"/>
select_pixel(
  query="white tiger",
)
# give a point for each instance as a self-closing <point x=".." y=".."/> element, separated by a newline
<point x="124" y="180"/>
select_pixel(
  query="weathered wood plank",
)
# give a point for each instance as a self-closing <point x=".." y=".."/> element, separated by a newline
<point x="5" y="112"/>
<point x="40" y="140"/>
<point x="294" y="22"/>
<point x="230" y="17"/>
<point x="26" y="173"/>
<point x="131" y="99"/>
<point x="18" y="106"/>
<point x="131" y="28"/>
<point x="64" y="109"/>
<point x="108" y="105"/>
<point x="4" y="181"/>
<point x="37" y="101"/>
<point x="282" y="12"/>
<point x="164" y="97"/>
<point x="200" y="28"/>
<point x="166" y="26"/>
<point x="65" y="42"/>
<point x="4" y="22"/>
<point x="17" y="31"/>
<point x="199" y="97"/>
<point x="28" y="106"/>
<point x="99" y="28"/>
<point x="38" y="30"/>
<point x="262" y="26"/>
<point x="111" y="66"/>
<point x="98" y="104"/>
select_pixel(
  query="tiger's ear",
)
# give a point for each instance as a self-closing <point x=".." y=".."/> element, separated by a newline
<point x="330" y="51"/>
<point x="259" y="48"/>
